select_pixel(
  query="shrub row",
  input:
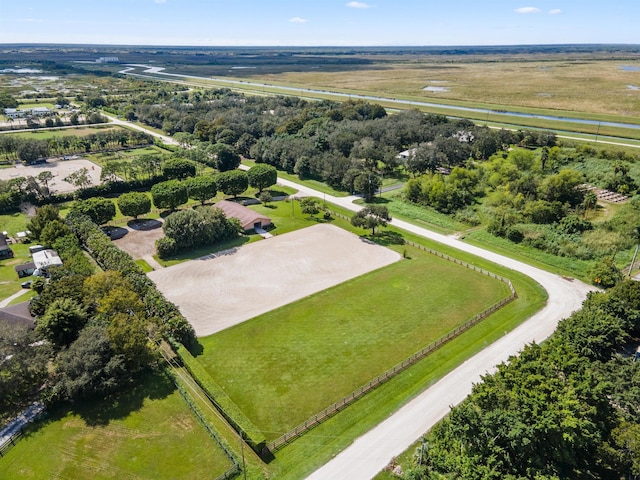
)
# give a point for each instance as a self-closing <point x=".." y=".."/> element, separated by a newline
<point x="238" y="420"/>
<point x="109" y="257"/>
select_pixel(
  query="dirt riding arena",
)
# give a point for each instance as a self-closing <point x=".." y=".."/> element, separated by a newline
<point x="221" y="290"/>
<point x="59" y="169"/>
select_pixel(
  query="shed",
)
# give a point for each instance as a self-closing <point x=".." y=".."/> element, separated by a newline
<point x="247" y="217"/>
<point x="25" y="269"/>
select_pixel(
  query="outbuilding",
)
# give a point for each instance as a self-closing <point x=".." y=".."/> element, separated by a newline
<point x="25" y="269"/>
<point x="249" y="219"/>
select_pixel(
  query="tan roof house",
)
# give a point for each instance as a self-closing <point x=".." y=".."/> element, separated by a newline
<point x="247" y="217"/>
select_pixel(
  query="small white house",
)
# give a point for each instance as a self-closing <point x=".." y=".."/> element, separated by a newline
<point x="45" y="259"/>
<point x="406" y="155"/>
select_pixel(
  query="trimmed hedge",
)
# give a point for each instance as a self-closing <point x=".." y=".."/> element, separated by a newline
<point x="109" y="257"/>
<point x="238" y="420"/>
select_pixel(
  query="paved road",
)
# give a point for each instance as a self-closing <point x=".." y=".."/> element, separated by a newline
<point x="371" y="452"/>
<point x="124" y="123"/>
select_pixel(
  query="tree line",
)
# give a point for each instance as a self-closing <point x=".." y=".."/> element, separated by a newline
<point x="95" y="328"/>
<point x="14" y="148"/>
<point x="568" y="408"/>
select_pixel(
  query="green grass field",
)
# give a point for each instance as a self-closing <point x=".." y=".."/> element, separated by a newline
<point x="146" y="433"/>
<point x="9" y="281"/>
<point x="289" y="364"/>
<point x="63" y="132"/>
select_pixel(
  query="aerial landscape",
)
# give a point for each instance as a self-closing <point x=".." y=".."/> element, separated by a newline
<point x="319" y="240"/>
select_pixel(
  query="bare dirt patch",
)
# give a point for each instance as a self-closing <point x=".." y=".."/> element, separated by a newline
<point x="59" y="169"/>
<point x="219" y="291"/>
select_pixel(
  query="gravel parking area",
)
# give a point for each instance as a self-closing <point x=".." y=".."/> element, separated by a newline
<point x="219" y="291"/>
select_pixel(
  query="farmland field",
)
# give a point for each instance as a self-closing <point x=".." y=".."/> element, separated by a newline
<point x="300" y="358"/>
<point x="595" y="86"/>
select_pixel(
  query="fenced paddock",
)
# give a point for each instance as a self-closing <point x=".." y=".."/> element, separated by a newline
<point x="285" y="367"/>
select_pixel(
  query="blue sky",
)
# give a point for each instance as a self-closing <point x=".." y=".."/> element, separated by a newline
<point x="319" y="22"/>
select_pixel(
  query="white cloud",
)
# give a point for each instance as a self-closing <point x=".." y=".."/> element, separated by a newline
<point x="556" y="11"/>
<point x="298" y="20"/>
<point x="358" y="5"/>
<point x="526" y="10"/>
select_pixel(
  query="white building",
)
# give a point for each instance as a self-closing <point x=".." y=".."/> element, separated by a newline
<point x="45" y="259"/>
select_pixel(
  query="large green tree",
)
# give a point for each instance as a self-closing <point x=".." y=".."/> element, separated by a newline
<point x="201" y="188"/>
<point x="262" y="176"/>
<point x="233" y="182"/>
<point x="134" y="204"/>
<point x="44" y="215"/>
<point x="178" y="168"/>
<point x="169" y="194"/>
<point x="199" y="227"/>
<point x="371" y="217"/>
<point x="62" y="322"/>
<point x="225" y="157"/>
<point x="89" y="367"/>
<point x="100" y="210"/>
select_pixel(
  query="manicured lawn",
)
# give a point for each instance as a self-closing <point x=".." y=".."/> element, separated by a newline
<point x="289" y="364"/>
<point x="146" y="433"/>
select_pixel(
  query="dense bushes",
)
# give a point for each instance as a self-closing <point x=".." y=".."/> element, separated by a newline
<point x="189" y="229"/>
<point x="109" y="257"/>
<point x="562" y="409"/>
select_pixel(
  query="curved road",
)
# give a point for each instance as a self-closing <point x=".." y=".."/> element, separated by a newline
<point x="371" y="452"/>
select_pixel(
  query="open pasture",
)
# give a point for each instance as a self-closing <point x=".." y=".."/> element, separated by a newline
<point x="596" y="86"/>
<point x="285" y="366"/>
<point x="147" y="432"/>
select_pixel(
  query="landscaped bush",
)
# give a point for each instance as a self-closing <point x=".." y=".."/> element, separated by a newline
<point x="189" y="229"/>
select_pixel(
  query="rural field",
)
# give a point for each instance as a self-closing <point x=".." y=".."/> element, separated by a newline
<point x="286" y="365"/>
<point x="606" y="87"/>
<point x="147" y="432"/>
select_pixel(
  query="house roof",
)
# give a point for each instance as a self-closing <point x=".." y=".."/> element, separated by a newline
<point x="46" y="258"/>
<point x="17" y="314"/>
<point x="3" y="243"/>
<point x="25" y="266"/>
<point x="246" y="216"/>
